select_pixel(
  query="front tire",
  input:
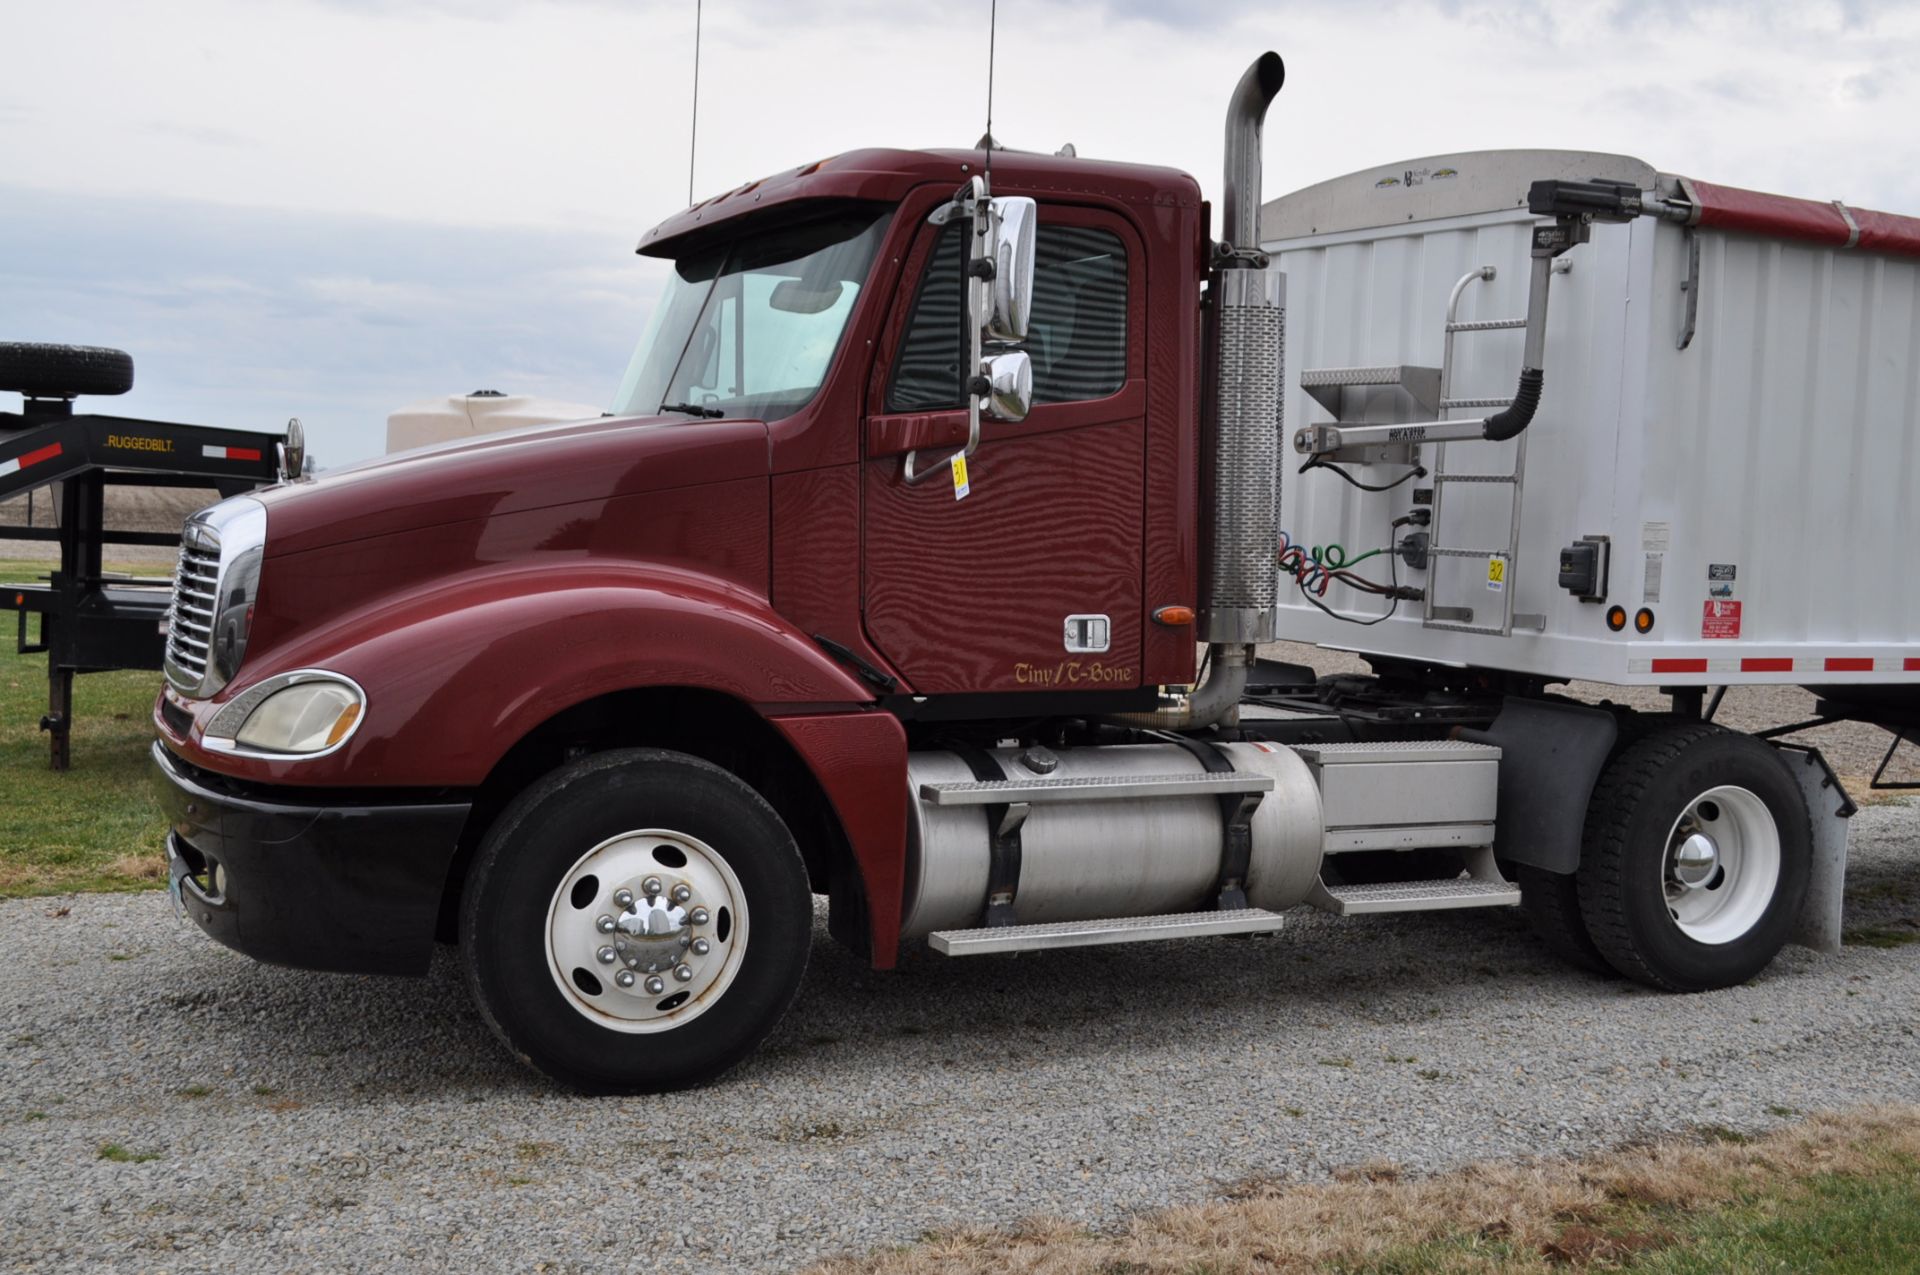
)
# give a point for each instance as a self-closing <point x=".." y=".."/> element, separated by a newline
<point x="636" y="921"/>
<point x="1697" y="854"/>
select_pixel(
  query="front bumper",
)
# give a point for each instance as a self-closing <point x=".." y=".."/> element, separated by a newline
<point x="342" y="885"/>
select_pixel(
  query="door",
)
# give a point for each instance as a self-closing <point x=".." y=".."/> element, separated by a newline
<point x="975" y="593"/>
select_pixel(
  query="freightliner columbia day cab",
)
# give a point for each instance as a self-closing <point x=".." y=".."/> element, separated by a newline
<point x="887" y="580"/>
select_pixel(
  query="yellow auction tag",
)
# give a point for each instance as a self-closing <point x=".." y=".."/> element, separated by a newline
<point x="1496" y="573"/>
<point x="960" y="485"/>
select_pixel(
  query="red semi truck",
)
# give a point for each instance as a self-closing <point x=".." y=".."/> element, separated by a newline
<point x="886" y="580"/>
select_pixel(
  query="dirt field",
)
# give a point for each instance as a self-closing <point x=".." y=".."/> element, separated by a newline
<point x="128" y="509"/>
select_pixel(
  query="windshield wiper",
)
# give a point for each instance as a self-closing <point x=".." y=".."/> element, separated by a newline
<point x="693" y="409"/>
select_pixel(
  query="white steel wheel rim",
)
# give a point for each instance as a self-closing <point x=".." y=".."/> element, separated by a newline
<point x="691" y="943"/>
<point x="1722" y="865"/>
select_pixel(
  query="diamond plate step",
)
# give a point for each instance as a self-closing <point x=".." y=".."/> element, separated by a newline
<point x="1415" y="896"/>
<point x="1042" y="790"/>
<point x="1325" y="383"/>
<point x="1129" y="929"/>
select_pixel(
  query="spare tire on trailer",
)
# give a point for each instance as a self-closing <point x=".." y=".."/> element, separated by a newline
<point x="40" y="370"/>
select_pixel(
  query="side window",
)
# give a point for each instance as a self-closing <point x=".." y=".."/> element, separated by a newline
<point x="1077" y="338"/>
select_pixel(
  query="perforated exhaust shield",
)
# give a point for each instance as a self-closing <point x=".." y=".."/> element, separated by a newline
<point x="1243" y="581"/>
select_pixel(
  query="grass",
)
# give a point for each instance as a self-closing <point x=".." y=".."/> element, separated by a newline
<point x="120" y="1155"/>
<point x="1836" y="1193"/>
<point x="96" y="826"/>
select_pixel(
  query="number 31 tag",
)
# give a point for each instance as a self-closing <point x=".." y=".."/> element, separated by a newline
<point x="960" y="484"/>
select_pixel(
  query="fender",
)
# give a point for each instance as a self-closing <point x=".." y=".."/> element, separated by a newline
<point x="456" y="673"/>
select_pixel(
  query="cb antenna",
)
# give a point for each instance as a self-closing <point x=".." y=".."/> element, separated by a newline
<point x="693" y="128"/>
<point x="993" y="24"/>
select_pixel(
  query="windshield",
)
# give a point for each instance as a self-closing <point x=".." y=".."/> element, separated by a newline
<point x="749" y="328"/>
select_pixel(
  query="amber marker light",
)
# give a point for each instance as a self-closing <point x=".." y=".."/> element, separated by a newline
<point x="1616" y="617"/>
<point x="1174" y="617"/>
<point x="343" y="725"/>
<point x="1643" y="621"/>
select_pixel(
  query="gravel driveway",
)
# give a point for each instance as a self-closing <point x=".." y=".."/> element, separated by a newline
<point x="301" y="1120"/>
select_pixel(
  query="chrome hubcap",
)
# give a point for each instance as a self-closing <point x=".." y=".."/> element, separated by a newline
<point x="1722" y="864"/>
<point x="646" y="930"/>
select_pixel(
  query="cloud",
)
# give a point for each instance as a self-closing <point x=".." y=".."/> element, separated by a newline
<point x="245" y="317"/>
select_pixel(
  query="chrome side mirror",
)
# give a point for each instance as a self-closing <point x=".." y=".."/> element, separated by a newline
<point x="1009" y="380"/>
<point x="1014" y="221"/>
<point x="293" y="452"/>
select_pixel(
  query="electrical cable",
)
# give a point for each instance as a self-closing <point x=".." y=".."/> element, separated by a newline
<point x="1418" y="471"/>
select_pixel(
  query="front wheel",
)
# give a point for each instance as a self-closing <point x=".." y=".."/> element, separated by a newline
<point x="636" y="921"/>
<point x="1697" y="853"/>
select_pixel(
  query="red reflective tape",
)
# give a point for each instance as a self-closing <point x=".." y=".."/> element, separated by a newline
<point x="1848" y="664"/>
<point x="39" y="454"/>
<point x="1912" y="665"/>
<point x="1767" y="664"/>
<point x="243" y="453"/>
<point x="1679" y="666"/>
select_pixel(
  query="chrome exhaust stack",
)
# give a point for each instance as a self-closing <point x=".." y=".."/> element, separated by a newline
<point x="1246" y="339"/>
<point x="1243" y="428"/>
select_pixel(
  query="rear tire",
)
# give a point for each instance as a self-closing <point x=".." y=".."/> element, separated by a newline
<point x="636" y="921"/>
<point x="40" y="370"/>
<point x="1551" y="900"/>
<point x="1697" y="853"/>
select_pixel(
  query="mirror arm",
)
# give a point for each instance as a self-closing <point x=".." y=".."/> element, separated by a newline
<point x="973" y="198"/>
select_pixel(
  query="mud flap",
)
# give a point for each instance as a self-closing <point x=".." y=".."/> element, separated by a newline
<point x="1551" y="755"/>
<point x="1829" y="807"/>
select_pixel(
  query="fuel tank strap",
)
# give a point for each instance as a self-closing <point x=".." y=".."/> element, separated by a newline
<point x="1004" y="820"/>
<point x="1236" y="815"/>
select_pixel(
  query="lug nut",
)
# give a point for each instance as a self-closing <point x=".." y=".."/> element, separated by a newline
<point x="655" y="985"/>
<point x="683" y="973"/>
<point x="624" y="978"/>
<point x="604" y="925"/>
<point x="606" y="956"/>
<point x="701" y="947"/>
<point x="623" y="897"/>
<point x="681" y="893"/>
<point x="651" y="887"/>
<point x="698" y="916"/>
<point x="686" y="940"/>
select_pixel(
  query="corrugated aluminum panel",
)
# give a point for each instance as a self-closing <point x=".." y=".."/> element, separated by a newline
<point x="1782" y="444"/>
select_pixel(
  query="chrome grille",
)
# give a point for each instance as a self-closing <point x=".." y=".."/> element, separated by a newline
<point x="190" y="617"/>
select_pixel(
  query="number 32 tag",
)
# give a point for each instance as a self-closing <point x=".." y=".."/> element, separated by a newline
<point x="960" y="484"/>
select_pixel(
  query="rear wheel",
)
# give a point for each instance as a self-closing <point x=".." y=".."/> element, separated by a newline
<point x="1551" y="900"/>
<point x="1698" y="850"/>
<point x="636" y="921"/>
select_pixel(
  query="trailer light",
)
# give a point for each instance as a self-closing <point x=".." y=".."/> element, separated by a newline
<point x="1174" y="617"/>
<point x="1616" y="617"/>
<point x="299" y="714"/>
<point x="1643" y="621"/>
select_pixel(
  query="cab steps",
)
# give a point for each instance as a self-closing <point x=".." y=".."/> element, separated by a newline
<point x="1415" y="896"/>
<point x="1129" y="929"/>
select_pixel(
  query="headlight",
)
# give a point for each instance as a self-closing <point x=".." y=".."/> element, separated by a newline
<point x="299" y="714"/>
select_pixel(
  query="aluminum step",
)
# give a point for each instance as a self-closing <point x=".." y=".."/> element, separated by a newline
<point x="1325" y="383"/>
<point x="1041" y="790"/>
<point x="1415" y="896"/>
<point x="1127" y="929"/>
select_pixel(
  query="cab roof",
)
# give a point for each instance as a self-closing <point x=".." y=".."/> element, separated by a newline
<point x="885" y="176"/>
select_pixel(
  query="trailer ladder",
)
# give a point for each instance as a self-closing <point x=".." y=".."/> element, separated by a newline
<point x="1501" y="561"/>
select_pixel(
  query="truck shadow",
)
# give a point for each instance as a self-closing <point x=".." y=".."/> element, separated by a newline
<point x="346" y="1039"/>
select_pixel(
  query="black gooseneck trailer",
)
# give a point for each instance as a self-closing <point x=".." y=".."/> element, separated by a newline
<point x="90" y="620"/>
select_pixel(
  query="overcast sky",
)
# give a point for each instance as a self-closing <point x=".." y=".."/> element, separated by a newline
<point x="328" y="208"/>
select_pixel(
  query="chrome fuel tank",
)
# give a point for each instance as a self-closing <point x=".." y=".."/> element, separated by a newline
<point x="1126" y="857"/>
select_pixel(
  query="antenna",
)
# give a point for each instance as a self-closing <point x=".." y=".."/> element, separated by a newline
<point x="693" y="128"/>
<point x="993" y="24"/>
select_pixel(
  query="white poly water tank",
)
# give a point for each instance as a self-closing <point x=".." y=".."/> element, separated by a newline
<point x="457" y="416"/>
